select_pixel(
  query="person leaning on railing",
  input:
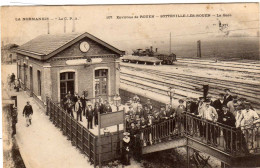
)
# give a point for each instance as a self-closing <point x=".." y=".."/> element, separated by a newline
<point x="210" y="114"/>
<point x="246" y="122"/>
<point x="228" y="120"/>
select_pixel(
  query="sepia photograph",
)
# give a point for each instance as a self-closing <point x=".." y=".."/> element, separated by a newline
<point x="131" y="86"/>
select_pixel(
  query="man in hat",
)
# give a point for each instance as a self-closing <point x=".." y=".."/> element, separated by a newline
<point x="217" y="104"/>
<point x="78" y="109"/>
<point x="248" y="116"/>
<point x="69" y="106"/>
<point x="136" y="99"/>
<point x="108" y="108"/>
<point x="143" y="124"/>
<point x="96" y="111"/>
<point x="241" y="102"/>
<point x="144" y="112"/>
<point x="28" y="112"/>
<point x="170" y="113"/>
<point x="149" y="124"/>
<point x="188" y="103"/>
<point x="89" y="115"/>
<point x="210" y="114"/>
<point x="181" y="116"/>
<point x="227" y="96"/>
<point x="126" y="149"/>
<point x="228" y="120"/>
<point x="156" y="121"/>
<point x="201" y="123"/>
<point x="231" y="104"/>
<point x="194" y="106"/>
<point x="83" y="100"/>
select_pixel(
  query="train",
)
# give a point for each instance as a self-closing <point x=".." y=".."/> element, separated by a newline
<point x="150" y="56"/>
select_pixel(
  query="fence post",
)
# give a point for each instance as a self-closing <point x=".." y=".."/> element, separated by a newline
<point x="76" y="134"/>
<point x="89" y="146"/>
<point x="82" y="138"/>
<point x="71" y="128"/>
<point x="94" y="152"/>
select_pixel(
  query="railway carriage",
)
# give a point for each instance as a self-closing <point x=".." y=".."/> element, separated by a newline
<point x="150" y="56"/>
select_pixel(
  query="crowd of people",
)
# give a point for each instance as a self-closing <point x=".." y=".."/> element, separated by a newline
<point x="13" y="82"/>
<point x="212" y="118"/>
<point x="82" y="107"/>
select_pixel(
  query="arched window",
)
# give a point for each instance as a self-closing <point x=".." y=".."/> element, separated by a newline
<point x="67" y="83"/>
<point x="101" y="85"/>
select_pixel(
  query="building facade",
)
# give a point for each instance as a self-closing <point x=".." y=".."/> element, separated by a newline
<point x="53" y="65"/>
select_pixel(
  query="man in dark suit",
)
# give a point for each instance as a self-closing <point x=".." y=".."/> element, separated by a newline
<point x="228" y="120"/>
<point x="89" y="116"/>
<point x="28" y="112"/>
<point x="228" y="97"/>
<point x="218" y="104"/>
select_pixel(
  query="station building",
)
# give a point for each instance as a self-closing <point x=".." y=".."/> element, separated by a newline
<point x="53" y="65"/>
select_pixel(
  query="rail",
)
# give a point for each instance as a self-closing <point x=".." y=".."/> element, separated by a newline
<point x="80" y="136"/>
<point x="234" y="141"/>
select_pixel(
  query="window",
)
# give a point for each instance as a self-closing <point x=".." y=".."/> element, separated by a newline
<point x="39" y="83"/>
<point x="67" y="83"/>
<point x="101" y="76"/>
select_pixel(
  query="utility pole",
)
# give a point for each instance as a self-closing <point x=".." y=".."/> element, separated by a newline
<point x="199" y="49"/>
<point x="170" y="43"/>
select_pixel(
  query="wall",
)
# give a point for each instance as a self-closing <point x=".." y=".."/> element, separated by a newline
<point x="84" y="78"/>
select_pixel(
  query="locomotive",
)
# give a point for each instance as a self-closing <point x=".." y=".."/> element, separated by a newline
<point x="148" y="55"/>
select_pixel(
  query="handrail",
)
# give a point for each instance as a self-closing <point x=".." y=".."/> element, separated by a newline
<point x="231" y="140"/>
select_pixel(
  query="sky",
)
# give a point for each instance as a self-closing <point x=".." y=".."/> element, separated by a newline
<point x="240" y="20"/>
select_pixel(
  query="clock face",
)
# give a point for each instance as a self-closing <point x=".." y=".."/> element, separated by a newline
<point x="84" y="46"/>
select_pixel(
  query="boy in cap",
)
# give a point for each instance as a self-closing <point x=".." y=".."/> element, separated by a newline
<point x="28" y="112"/>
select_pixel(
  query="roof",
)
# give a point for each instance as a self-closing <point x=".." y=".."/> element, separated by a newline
<point x="10" y="46"/>
<point x="45" y="46"/>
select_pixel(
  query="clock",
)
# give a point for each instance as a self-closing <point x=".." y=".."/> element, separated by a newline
<point x="84" y="46"/>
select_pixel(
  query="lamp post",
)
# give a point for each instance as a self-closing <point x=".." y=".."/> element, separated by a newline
<point x="117" y="100"/>
<point x="170" y="93"/>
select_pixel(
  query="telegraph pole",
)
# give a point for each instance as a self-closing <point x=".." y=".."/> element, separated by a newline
<point x="199" y="49"/>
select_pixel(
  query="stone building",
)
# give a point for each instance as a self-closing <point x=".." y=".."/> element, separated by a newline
<point x="53" y="65"/>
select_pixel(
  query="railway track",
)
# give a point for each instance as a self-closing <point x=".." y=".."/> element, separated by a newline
<point x="192" y="84"/>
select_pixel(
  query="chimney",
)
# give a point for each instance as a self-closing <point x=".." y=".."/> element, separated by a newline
<point x="151" y="48"/>
<point x="156" y="49"/>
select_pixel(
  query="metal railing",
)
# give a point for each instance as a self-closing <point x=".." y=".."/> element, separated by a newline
<point x="235" y="141"/>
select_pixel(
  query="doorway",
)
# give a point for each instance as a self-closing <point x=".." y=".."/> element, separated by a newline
<point x="31" y="81"/>
<point x="39" y="83"/>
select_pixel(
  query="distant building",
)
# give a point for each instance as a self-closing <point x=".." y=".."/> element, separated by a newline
<point x="53" y="65"/>
<point x="8" y="54"/>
